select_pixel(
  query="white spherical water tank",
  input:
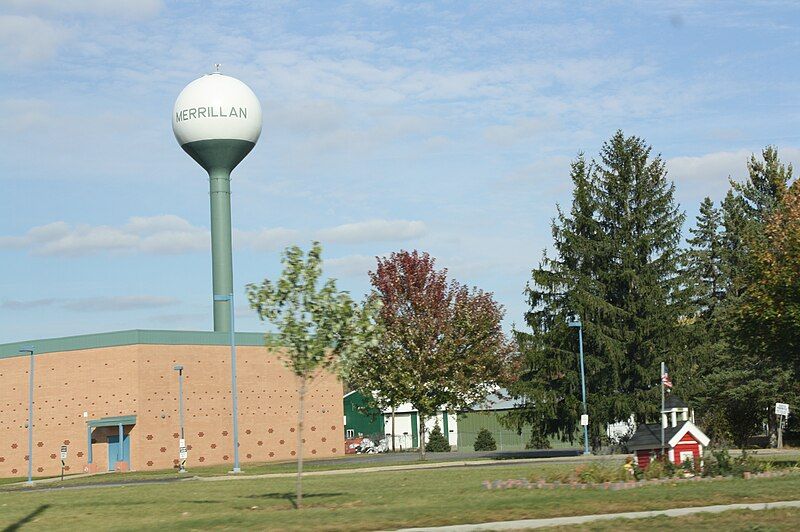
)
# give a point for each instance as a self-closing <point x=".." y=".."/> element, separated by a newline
<point x="217" y="120"/>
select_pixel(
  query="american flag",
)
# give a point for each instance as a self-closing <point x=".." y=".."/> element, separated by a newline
<point x="665" y="380"/>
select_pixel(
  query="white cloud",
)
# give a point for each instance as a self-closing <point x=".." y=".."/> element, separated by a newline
<point x="373" y="231"/>
<point x="168" y="234"/>
<point x="707" y="175"/>
<point x="114" y="8"/>
<point x="509" y="134"/>
<point x="351" y="265"/>
<point x="264" y="239"/>
<point x="27" y="39"/>
<point x="94" y="304"/>
<point x="165" y="234"/>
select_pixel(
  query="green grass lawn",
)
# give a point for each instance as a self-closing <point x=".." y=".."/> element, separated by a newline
<point x="248" y="469"/>
<point x="762" y="520"/>
<point x="357" y="501"/>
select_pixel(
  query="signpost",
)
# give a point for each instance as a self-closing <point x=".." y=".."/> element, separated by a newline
<point x="63" y="460"/>
<point x="584" y="420"/>
<point x="183" y="455"/>
<point x="782" y="411"/>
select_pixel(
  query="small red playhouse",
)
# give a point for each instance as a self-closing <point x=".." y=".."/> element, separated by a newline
<point x="682" y="439"/>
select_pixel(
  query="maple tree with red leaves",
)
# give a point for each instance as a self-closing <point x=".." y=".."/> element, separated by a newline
<point x="442" y="345"/>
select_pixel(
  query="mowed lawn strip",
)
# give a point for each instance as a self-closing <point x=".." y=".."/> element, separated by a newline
<point x="249" y="469"/>
<point x="777" y="519"/>
<point x="359" y="501"/>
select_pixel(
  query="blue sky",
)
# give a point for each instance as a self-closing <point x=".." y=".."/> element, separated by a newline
<point x="446" y="127"/>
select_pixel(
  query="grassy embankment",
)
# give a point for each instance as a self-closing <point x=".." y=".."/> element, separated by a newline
<point x="361" y="501"/>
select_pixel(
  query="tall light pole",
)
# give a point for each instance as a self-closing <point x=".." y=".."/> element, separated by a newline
<point x="179" y="369"/>
<point x="579" y="325"/>
<point x="29" y="350"/>
<point x="236" y="469"/>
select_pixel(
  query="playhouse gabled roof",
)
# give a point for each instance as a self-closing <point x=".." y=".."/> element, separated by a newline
<point x="649" y="436"/>
<point x="689" y="428"/>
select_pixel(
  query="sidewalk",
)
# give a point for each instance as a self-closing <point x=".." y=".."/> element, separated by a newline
<point x="524" y="524"/>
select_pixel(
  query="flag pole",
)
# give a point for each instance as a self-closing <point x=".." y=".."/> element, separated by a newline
<point x="662" y="410"/>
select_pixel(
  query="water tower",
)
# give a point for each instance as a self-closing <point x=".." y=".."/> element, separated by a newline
<point x="217" y="121"/>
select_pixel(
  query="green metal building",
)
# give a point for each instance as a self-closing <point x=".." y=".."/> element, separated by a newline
<point x="361" y="420"/>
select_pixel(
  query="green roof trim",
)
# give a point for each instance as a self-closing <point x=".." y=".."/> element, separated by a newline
<point x="132" y="337"/>
<point x="112" y="421"/>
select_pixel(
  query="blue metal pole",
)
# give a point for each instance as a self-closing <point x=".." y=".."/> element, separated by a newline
<point x="120" y="452"/>
<point x="234" y="393"/>
<point x="89" y="442"/>
<point x="583" y="392"/>
<point x="180" y="395"/>
<point x="30" y="419"/>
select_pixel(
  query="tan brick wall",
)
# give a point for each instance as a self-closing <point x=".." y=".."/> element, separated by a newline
<point x="139" y="379"/>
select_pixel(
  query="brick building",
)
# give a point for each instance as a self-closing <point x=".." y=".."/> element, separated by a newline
<point x="90" y="389"/>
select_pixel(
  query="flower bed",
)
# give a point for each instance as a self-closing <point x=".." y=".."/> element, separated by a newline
<point x="616" y="485"/>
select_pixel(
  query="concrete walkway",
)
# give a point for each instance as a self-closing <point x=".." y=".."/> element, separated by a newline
<point x="525" y="524"/>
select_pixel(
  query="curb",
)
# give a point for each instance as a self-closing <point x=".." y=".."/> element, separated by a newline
<point x="582" y="519"/>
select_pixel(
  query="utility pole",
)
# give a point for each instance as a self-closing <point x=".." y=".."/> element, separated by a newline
<point x="585" y="416"/>
<point x="29" y="350"/>
<point x="181" y="458"/>
<point x="234" y="394"/>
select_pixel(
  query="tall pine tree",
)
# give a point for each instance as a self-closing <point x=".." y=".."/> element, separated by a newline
<point x="616" y="266"/>
<point x="746" y="374"/>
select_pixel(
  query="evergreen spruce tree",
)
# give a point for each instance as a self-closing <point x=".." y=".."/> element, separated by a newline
<point x="616" y="267"/>
<point x="484" y="441"/>
<point x="748" y="375"/>
<point x="437" y="442"/>
<point x="702" y="341"/>
<point x="704" y="259"/>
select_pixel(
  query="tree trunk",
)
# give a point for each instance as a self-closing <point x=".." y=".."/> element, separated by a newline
<point x="421" y="436"/>
<point x="393" y="438"/>
<point x="300" y="417"/>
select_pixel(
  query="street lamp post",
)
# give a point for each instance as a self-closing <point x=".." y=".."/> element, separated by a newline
<point x="179" y="369"/>
<point x="579" y="325"/>
<point x="29" y="350"/>
<point x="236" y="469"/>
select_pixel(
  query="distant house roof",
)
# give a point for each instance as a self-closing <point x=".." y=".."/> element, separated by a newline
<point x="498" y="401"/>
<point x="673" y="401"/>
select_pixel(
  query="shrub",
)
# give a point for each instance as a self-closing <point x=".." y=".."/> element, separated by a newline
<point x="597" y="473"/>
<point x="538" y="441"/>
<point x="437" y="442"/>
<point x="721" y="463"/>
<point x="485" y="441"/>
<point x="655" y="469"/>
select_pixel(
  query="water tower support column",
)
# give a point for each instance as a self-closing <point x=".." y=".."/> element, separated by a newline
<point x="221" y="249"/>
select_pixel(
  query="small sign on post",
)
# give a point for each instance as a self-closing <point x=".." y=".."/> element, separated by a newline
<point x="183" y="455"/>
<point x="781" y="410"/>
<point x="63" y="460"/>
<point x="584" y="420"/>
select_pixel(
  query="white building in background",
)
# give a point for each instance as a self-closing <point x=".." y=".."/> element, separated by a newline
<point x="407" y="426"/>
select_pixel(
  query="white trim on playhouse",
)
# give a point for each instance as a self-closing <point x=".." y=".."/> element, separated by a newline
<point x="696" y="433"/>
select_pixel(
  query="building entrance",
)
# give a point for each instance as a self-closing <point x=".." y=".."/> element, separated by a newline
<point x="117" y="452"/>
